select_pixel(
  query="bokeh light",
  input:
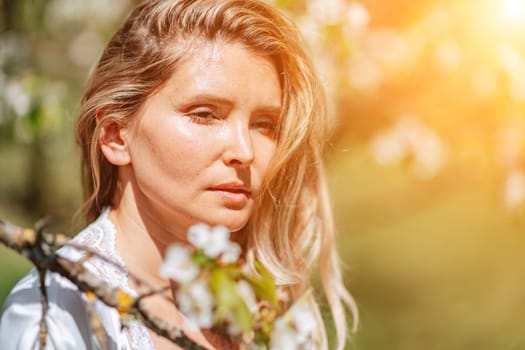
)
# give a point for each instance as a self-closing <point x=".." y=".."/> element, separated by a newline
<point x="513" y="11"/>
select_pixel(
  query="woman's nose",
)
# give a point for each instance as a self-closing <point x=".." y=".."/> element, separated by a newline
<point x="238" y="152"/>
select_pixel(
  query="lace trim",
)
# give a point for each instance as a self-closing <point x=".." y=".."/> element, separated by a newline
<point x="100" y="236"/>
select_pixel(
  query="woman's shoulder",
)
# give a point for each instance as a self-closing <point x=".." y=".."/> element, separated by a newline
<point x="59" y="289"/>
<point x="67" y="318"/>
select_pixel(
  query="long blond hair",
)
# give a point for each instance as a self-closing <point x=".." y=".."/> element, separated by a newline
<point x="291" y="228"/>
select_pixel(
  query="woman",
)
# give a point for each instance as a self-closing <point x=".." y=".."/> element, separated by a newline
<point x="198" y="111"/>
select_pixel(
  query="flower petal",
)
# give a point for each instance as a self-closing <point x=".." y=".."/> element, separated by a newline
<point x="231" y="253"/>
<point x="199" y="235"/>
<point x="178" y="265"/>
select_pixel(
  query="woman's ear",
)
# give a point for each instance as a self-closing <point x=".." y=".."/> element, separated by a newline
<point x="113" y="143"/>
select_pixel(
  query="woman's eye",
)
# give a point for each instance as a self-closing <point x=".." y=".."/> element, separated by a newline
<point x="203" y="116"/>
<point x="266" y="126"/>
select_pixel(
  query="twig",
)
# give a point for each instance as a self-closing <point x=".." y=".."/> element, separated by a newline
<point x="90" y="253"/>
<point x="39" y="247"/>
<point x="42" y="334"/>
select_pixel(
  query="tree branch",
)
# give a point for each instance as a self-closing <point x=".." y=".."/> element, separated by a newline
<point x="39" y="248"/>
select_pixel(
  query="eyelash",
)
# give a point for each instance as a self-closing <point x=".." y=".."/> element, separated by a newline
<point x="208" y="117"/>
<point x="266" y="124"/>
<point x="203" y="116"/>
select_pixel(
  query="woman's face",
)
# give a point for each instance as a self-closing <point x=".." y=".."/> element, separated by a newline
<point x="201" y="145"/>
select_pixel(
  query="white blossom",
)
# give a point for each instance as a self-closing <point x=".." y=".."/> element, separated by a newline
<point x="231" y="253"/>
<point x="247" y="294"/>
<point x="198" y="235"/>
<point x="214" y="242"/>
<point x="410" y="138"/>
<point x="304" y="321"/>
<point x="178" y="265"/>
<point x="295" y="329"/>
<point x="195" y="301"/>
<point x="218" y="242"/>
<point x="283" y="337"/>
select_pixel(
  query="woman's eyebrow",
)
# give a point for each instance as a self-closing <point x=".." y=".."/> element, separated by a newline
<point x="271" y="110"/>
<point x="208" y="98"/>
<point x="220" y="100"/>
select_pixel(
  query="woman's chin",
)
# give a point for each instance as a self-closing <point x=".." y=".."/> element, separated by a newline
<point x="233" y="224"/>
<point x="233" y="220"/>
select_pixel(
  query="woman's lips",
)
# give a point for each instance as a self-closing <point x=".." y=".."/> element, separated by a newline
<point x="234" y="195"/>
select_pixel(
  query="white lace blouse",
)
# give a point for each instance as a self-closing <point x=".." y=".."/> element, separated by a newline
<point x="67" y="319"/>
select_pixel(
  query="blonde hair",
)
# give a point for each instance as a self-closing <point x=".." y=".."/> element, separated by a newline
<point x="292" y="226"/>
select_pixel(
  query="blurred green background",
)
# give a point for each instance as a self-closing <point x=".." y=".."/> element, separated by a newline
<point x="426" y="167"/>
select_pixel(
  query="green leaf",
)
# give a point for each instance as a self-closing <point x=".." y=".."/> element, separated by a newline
<point x="264" y="287"/>
<point x="228" y="301"/>
<point x="200" y="258"/>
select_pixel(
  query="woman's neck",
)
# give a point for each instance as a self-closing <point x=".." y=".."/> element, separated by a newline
<point x="141" y="239"/>
<point x="141" y="242"/>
